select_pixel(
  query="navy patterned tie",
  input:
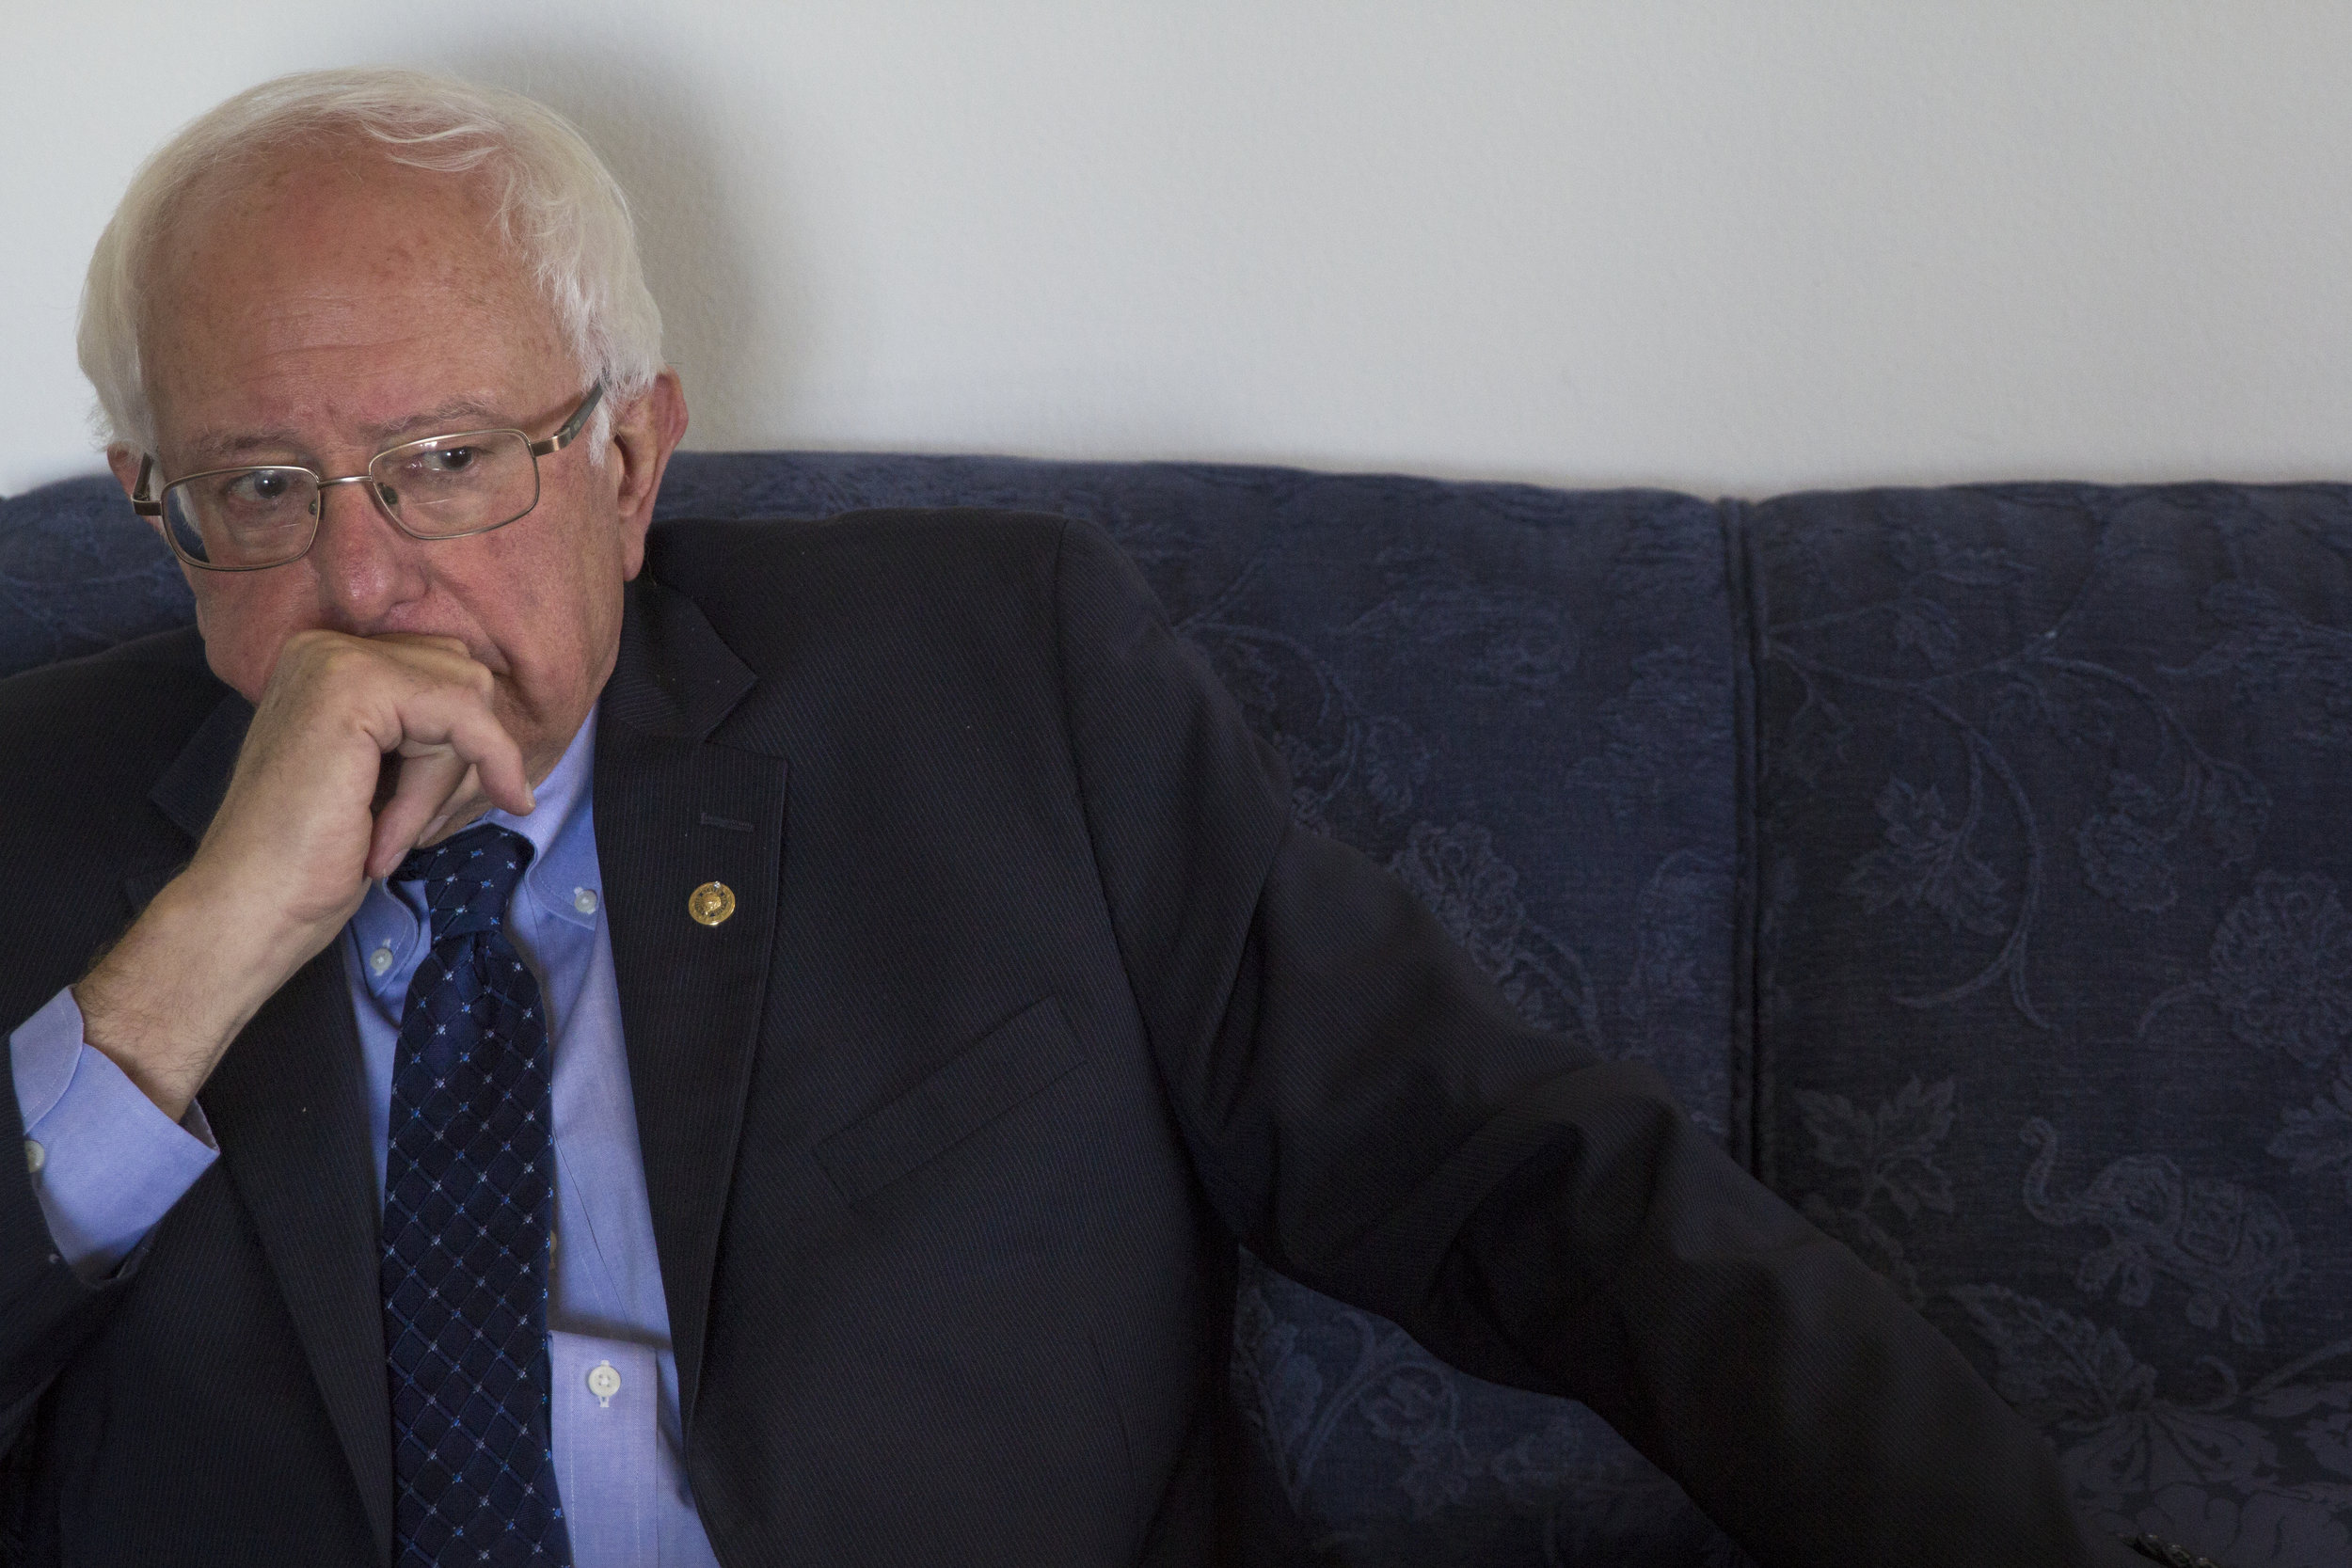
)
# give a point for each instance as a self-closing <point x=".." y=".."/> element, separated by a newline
<point x="467" y="1204"/>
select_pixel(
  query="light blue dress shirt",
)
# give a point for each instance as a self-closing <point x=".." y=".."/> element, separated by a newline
<point x="109" y="1164"/>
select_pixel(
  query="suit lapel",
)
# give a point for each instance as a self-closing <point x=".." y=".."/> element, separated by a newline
<point x="674" y="811"/>
<point x="190" y="790"/>
<point x="289" y="1112"/>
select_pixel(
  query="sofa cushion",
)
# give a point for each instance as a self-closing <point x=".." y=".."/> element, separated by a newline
<point x="2054" y="964"/>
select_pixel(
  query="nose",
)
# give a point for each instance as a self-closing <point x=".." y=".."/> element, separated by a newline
<point x="365" y="566"/>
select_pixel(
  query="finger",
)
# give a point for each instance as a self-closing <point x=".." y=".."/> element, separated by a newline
<point x="463" y="803"/>
<point x="422" y="795"/>
<point x="424" y="639"/>
<point x="461" y="720"/>
<point x="475" y="734"/>
<point x="466" y="803"/>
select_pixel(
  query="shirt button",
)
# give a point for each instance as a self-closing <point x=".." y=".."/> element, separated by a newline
<point x="584" y="900"/>
<point x="381" y="959"/>
<point x="604" y="1382"/>
<point x="35" y="1156"/>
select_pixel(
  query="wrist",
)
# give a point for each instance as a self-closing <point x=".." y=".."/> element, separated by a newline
<point x="165" y="1001"/>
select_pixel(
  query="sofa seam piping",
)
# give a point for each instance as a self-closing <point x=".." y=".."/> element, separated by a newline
<point x="1747" y="860"/>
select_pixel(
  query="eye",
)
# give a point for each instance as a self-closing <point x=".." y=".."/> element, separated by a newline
<point x="451" y="460"/>
<point x="260" y="486"/>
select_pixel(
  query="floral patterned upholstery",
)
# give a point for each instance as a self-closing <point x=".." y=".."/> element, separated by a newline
<point x="79" y="572"/>
<point x="1968" y="859"/>
<point x="2053" y="969"/>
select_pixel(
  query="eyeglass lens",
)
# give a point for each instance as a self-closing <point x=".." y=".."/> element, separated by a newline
<point x="438" y="489"/>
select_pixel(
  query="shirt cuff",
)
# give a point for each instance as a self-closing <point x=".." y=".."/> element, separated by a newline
<point x="107" y="1163"/>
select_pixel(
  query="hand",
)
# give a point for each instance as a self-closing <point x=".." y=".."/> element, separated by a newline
<point x="297" y="838"/>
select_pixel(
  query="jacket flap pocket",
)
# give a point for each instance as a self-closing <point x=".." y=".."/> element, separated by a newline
<point x="1009" y="1064"/>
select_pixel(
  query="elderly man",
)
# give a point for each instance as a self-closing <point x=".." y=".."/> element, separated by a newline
<point x="537" y="1043"/>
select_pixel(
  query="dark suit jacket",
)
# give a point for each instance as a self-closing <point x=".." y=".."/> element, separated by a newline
<point x="1034" y="1001"/>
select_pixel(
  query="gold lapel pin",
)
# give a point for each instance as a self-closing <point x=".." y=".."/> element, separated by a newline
<point x="711" y="903"/>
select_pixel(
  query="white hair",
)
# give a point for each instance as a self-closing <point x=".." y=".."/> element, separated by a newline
<point x="558" y="206"/>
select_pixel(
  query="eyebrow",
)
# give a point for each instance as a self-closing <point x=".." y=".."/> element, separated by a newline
<point x="210" y="446"/>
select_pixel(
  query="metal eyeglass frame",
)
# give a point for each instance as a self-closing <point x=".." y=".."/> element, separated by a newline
<point x="148" y="505"/>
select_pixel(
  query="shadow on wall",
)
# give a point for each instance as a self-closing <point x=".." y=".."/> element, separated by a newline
<point x="726" y="325"/>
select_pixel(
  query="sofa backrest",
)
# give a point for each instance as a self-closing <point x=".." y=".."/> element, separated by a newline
<point x="2053" y="965"/>
<point x="1971" y="860"/>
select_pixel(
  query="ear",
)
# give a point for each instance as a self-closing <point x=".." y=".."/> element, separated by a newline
<point x="644" y="432"/>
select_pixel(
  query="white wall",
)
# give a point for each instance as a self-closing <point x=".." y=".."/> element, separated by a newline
<point x="1724" y="245"/>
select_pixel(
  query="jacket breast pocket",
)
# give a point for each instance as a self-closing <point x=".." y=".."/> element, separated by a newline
<point x="1012" y="1063"/>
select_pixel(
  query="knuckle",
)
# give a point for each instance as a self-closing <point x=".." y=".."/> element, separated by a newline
<point x="306" y="650"/>
<point x="322" y="660"/>
<point x="445" y="647"/>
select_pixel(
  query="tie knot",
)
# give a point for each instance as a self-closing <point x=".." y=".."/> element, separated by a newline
<point x="467" y="878"/>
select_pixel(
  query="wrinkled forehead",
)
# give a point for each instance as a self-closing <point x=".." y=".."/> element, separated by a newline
<point x="330" y="260"/>
<point x="333" y="200"/>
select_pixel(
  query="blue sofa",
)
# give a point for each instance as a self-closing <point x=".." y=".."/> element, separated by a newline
<point x="1973" y="862"/>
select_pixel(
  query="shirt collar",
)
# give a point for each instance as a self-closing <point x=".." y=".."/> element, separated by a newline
<point x="561" y="877"/>
<point x="563" y="851"/>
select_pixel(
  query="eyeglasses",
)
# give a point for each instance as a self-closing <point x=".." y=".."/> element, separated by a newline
<point x="442" y="487"/>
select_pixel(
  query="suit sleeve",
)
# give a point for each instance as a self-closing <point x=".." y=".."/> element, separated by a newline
<point x="1371" y="1117"/>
